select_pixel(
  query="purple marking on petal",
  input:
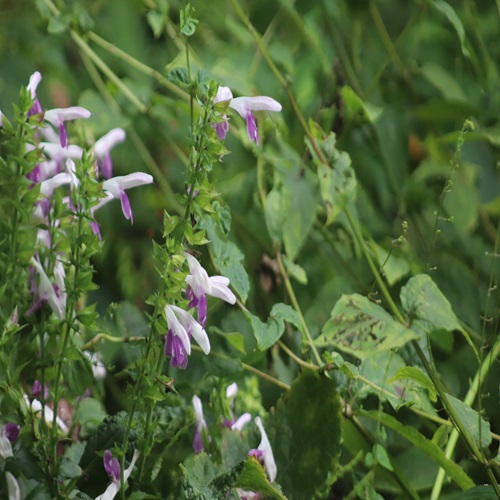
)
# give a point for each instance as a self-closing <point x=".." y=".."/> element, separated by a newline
<point x="37" y="390"/>
<point x="35" y="175"/>
<point x="174" y="349"/>
<point x="111" y="466"/>
<point x="36" y="108"/>
<point x="202" y="310"/>
<point x="227" y="423"/>
<point x="258" y="454"/>
<point x="11" y="431"/>
<point x="95" y="229"/>
<point x="193" y="299"/>
<point x="105" y="166"/>
<point x="221" y="128"/>
<point x="197" y="440"/>
<point x="127" y="211"/>
<point x="63" y="136"/>
<point x="252" y="128"/>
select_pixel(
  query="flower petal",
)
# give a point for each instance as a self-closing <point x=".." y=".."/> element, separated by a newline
<point x="265" y="446"/>
<point x="219" y="289"/>
<point x="176" y="327"/>
<point x="258" y="103"/>
<point x="196" y="330"/>
<point x="108" y="141"/>
<point x="223" y="94"/>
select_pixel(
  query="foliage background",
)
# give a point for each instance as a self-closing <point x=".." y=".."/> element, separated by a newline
<point x="419" y="74"/>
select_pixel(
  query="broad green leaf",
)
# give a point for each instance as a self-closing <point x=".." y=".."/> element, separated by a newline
<point x="305" y="432"/>
<point x="199" y="472"/>
<point x="89" y="414"/>
<point x="428" y="309"/>
<point x="268" y="333"/>
<point x="253" y="478"/>
<point x="417" y="375"/>
<point x="228" y="258"/>
<point x="447" y="10"/>
<point x="68" y="470"/>
<point x="456" y="473"/>
<point x="361" y="328"/>
<point x="475" y="426"/>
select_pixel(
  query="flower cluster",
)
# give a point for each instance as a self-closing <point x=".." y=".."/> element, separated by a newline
<point x="263" y="453"/>
<point x="244" y="106"/>
<point x="181" y="325"/>
<point x="57" y="168"/>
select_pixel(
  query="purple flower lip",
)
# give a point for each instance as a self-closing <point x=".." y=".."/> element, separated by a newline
<point x="111" y="466"/>
<point x="11" y="431"/>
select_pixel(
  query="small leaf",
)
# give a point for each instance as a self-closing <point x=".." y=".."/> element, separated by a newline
<point x="475" y="426"/>
<point x="416" y="374"/>
<point x="254" y="478"/>
<point x="447" y="10"/>
<point x="275" y="214"/>
<point x="295" y="270"/>
<point x="356" y="107"/>
<point x="268" y="333"/>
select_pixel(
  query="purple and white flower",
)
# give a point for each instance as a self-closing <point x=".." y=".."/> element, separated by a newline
<point x="112" y="468"/>
<point x="201" y="425"/>
<point x="235" y="424"/>
<point x="36" y="107"/>
<point x="116" y="186"/>
<point x="47" y="292"/>
<point x="102" y="150"/>
<point x="244" y="106"/>
<point x="264" y="452"/>
<point x="58" y="116"/>
<point x="199" y="285"/>
<point x="181" y="325"/>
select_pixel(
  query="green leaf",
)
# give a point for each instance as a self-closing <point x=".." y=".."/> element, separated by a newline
<point x="447" y="10"/>
<point x="254" y="478"/>
<point x="222" y="367"/>
<point x="416" y="374"/>
<point x="477" y="428"/>
<point x="337" y="184"/>
<point x="445" y="82"/>
<point x="295" y="270"/>
<point x="228" y="258"/>
<point x="482" y="492"/>
<point x="455" y="472"/>
<point x="361" y="328"/>
<point x="394" y="268"/>
<point x="428" y="308"/>
<point x="356" y="107"/>
<point x="300" y="193"/>
<point x="275" y="213"/>
<point x="305" y="432"/>
<point x="89" y="414"/>
<point x="68" y="470"/>
<point x="78" y="374"/>
<point x="268" y="333"/>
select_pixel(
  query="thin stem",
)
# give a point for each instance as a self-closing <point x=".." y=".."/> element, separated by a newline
<point x="107" y="71"/>
<point x="297" y="308"/>
<point x="298" y="360"/>
<point x="469" y="399"/>
<point x="373" y="267"/>
<point x="135" y="63"/>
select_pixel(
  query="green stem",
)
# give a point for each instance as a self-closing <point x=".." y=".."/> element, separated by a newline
<point x="469" y="399"/>
<point x="143" y="68"/>
<point x="297" y="308"/>
<point x="107" y="71"/>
